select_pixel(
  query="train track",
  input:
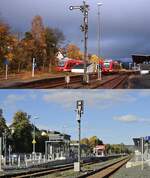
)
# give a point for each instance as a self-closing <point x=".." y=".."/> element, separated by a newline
<point x="44" y="171"/>
<point x="114" y="82"/>
<point x="109" y="82"/>
<point x="107" y="170"/>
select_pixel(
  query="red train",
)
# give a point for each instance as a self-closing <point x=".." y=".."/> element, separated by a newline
<point x="110" y="66"/>
<point x="107" y="66"/>
<point x="67" y="64"/>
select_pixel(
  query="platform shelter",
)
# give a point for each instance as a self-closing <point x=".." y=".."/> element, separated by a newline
<point x="140" y="59"/>
<point x="58" y="146"/>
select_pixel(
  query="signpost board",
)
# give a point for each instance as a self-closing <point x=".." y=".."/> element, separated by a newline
<point x="6" y="62"/>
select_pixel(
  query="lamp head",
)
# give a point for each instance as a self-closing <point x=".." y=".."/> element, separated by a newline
<point x="99" y="4"/>
<point x="71" y="8"/>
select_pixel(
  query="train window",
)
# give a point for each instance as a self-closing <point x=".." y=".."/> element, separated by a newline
<point x="61" y="63"/>
<point x="68" y="65"/>
<point x="107" y="65"/>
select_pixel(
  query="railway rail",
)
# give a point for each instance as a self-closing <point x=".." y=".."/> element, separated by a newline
<point x="113" y="82"/>
<point x="110" y="82"/>
<point x="44" y="171"/>
<point x="107" y="169"/>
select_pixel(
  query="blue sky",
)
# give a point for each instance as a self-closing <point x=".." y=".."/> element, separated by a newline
<point x="113" y="115"/>
<point x="124" y="23"/>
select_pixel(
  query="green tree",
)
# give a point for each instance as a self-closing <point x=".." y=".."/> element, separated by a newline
<point x="40" y="139"/>
<point x="3" y="125"/>
<point x="22" y="135"/>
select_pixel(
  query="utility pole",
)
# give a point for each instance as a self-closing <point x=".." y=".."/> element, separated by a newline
<point x="34" y="141"/>
<point x="142" y="152"/>
<point x="84" y="28"/>
<point x="98" y="46"/>
<point x="5" y="146"/>
<point x="1" y="154"/>
<point x="79" y="110"/>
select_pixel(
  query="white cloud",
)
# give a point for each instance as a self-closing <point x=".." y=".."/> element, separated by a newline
<point x="126" y="118"/>
<point x="99" y="98"/>
<point x="129" y="118"/>
<point x="12" y="99"/>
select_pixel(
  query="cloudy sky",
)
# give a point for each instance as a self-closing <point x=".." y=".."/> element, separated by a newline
<point x="124" y="24"/>
<point x="114" y="116"/>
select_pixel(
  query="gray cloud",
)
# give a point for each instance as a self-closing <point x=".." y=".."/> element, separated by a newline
<point x="124" y="24"/>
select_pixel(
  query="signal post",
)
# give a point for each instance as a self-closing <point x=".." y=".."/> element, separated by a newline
<point x="79" y="110"/>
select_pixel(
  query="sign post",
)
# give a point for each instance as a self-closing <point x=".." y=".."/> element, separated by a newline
<point x="67" y="80"/>
<point x="33" y="66"/>
<point x="6" y="74"/>
<point x="6" y="62"/>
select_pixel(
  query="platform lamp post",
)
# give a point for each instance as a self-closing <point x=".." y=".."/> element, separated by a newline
<point x="84" y="28"/>
<point x="79" y="110"/>
<point x="5" y="145"/>
<point x="98" y="46"/>
<point x="142" y="153"/>
<point x="1" y="154"/>
<point x="34" y="141"/>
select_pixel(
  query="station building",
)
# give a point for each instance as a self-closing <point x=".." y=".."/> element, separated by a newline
<point x="58" y="146"/>
<point x="141" y="59"/>
<point x="99" y="150"/>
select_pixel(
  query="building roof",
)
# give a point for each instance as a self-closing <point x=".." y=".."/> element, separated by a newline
<point x="139" y="58"/>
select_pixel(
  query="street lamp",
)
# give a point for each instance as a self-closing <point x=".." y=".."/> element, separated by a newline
<point x="5" y="145"/>
<point x="34" y="141"/>
<point x="84" y="28"/>
<point x="98" y="47"/>
<point x="79" y="110"/>
<point x="1" y="154"/>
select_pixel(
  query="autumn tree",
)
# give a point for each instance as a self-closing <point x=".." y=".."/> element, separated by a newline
<point x="25" y="52"/>
<point x="5" y="41"/>
<point x="85" y="141"/>
<point x="94" y="141"/>
<point x="74" y="52"/>
<point x="54" y="37"/>
<point x="94" y="59"/>
<point x="38" y="34"/>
